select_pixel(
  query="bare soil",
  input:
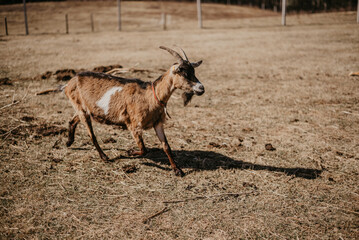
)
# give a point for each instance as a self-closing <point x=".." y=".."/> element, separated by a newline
<point x="271" y="150"/>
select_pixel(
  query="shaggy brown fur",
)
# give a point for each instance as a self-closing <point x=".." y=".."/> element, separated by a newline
<point x="130" y="102"/>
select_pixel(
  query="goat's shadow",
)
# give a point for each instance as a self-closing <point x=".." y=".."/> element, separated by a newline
<point x="209" y="160"/>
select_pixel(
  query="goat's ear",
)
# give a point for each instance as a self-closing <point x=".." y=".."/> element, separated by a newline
<point x="176" y="68"/>
<point x="196" y="64"/>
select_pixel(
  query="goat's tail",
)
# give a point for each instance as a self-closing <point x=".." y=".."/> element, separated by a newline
<point x="59" y="88"/>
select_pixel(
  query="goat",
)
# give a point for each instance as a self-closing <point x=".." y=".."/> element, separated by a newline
<point x="131" y="103"/>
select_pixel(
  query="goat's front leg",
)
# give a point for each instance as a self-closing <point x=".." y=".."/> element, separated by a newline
<point x="162" y="137"/>
<point x="137" y="135"/>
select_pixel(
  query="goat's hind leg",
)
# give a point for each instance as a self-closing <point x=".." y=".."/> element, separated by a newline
<point x="137" y="135"/>
<point x="86" y="119"/>
<point x="72" y="127"/>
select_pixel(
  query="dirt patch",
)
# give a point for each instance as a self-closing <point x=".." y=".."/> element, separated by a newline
<point x="56" y="160"/>
<point x="28" y="118"/>
<point x="65" y="74"/>
<point x="216" y="145"/>
<point x="5" y="81"/>
<point x="45" y="76"/>
<point x="269" y="147"/>
<point x="105" y="69"/>
<point x="247" y="130"/>
<point x="130" y="168"/>
<point x="33" y="131"/>
<point x="249" y="185"/>
<point x="49" y="130"/>
<point x="109" y="140"/>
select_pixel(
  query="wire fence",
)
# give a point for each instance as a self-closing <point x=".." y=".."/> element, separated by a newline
<point x="295" y="5"/>
<point x="80" y="17"/>
<point x="292" y="5"/>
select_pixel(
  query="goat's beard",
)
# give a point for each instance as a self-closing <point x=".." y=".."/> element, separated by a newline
<point x="187" y="97"/>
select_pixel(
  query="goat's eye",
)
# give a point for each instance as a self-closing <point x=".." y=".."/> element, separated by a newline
<point x="184" y="74"/>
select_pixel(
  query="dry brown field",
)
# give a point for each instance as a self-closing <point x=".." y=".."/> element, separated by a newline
<point x="265" y="84"/>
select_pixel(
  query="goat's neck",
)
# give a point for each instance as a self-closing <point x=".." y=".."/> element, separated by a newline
<point x="164" y="87"/>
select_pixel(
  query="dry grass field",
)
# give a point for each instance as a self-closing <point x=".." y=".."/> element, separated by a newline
<point x="265" y="84"/>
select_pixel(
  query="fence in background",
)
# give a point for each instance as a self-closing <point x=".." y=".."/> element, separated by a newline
<point x="276" y="5"/>
<point x="295" y="5"/>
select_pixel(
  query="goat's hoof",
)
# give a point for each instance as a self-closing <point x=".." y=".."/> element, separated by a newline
<point x="69" y="143"/>
<point x="108" y="160"/>
<point x="179" y="172"/>
<point x="132" y="152"/>
<point x="105" y="158"/>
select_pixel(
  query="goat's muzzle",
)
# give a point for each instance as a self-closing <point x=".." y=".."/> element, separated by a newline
<point x="198" y="89"/>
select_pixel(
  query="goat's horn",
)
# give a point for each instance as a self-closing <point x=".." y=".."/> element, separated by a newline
<point x="173" y="53"/>
<point x="184" y="53"/>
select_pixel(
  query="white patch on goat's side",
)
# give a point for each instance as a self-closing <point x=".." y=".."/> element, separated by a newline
<point x="104" y="101"/>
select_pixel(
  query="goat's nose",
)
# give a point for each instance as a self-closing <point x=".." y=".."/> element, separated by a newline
<point x="198" y="88"/>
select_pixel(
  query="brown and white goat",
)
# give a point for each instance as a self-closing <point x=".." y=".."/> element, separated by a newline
<point x="131" y="103"/>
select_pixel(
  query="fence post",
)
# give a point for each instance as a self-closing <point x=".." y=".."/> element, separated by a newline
<point x="199" y="13"/>
<point x="119" y="14"/>
<point x="25" y="17"/>
<point x="358" y="13"/>
<point x="6" y="32"/>
<point x="283" y="12"/>
<point x="92" y="24"/>
<point x="67" y="23"/>
<point x="164" y="21"/>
